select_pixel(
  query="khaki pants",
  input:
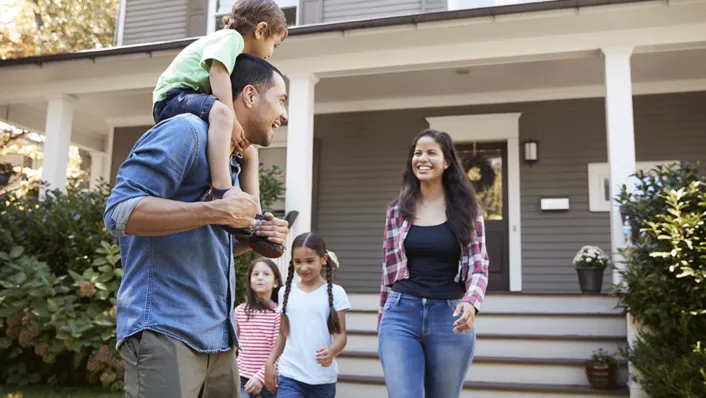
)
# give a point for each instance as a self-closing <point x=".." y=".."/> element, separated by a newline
<point x="157" y="366"/>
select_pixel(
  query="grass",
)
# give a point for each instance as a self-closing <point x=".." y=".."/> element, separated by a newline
<point x="58" y="392"/>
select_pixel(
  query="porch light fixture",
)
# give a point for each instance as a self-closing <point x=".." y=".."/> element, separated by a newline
<point x="531" y="152"/>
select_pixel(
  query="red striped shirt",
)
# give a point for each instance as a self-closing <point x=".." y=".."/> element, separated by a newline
<point x="256" y="336"/>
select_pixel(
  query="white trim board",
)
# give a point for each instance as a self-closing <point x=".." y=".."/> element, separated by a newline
<point x="505" y="97"/>
<point x="121" y="23"/>
<point x="495" y="127"/>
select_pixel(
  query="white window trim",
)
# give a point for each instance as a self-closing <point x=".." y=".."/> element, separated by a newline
<point x="495" y="127"/>
<point x="121" y="23"/>
<point x="213" y="12"/>
<point x="599" y="199"/>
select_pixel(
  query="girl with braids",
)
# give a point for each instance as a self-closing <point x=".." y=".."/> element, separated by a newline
<point x="313" y="325"/>
<point x="258" y="326"/>
<point x="435" y="273"/>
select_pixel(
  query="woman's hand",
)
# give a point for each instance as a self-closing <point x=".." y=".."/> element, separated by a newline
<point x="253" y="386"/>
<point x="464" y="324"/>
<point x="270" y="377"/>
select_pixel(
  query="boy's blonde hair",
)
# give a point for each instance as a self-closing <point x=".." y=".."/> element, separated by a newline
<point x="246" y="14"/>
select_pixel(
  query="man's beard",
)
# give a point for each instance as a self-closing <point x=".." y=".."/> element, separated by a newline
<point x="256" y="130"/>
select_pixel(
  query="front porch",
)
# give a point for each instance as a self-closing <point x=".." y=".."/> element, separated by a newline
<point x="603" y="90"/>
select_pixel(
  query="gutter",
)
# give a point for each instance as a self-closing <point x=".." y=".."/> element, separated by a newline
<point x="327" y="28"/>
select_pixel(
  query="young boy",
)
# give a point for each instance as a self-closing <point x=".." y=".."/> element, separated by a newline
<point x="198" y="82"/>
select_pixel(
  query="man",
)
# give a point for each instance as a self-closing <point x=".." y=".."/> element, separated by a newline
<point x="175" y="319"/>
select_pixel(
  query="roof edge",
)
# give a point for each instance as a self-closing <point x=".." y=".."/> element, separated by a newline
<point x="326" y="28"/>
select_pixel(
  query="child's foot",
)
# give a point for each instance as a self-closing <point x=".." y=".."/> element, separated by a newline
<point x="238" y="233"/>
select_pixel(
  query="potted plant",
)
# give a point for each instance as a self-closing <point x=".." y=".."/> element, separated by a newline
<point x="6" y="171"/>
<point x="602" y="370"/>
<point x="590" y="262"/>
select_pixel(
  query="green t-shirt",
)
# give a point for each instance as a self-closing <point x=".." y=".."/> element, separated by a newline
<point x="191" y="66"/>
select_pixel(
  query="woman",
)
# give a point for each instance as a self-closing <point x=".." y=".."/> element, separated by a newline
<point x="435" y="272"/>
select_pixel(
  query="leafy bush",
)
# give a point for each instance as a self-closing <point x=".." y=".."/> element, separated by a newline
<point x="664" y="281"/>
<point x="59" y="277"/>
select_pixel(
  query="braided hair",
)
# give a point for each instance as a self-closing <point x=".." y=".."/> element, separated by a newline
<point x="314" y="242"/>
<point x="247" y="14"/>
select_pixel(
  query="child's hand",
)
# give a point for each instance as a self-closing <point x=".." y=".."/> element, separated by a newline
<point x="238" y="140"/>
<point x="270" y="377"/>
<point x="324" y="357"/>
<point x="253" y="386"/>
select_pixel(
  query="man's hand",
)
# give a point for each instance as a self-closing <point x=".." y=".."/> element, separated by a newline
<point x="239" y="208"/>
<point x="275" y="229"/>
<point x="253" y="386"/>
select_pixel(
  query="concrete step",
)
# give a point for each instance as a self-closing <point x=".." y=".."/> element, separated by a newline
<point x="523" y="346"/>
<point x="520" y="303"/>
<point x="536" y="324"/>
<point x="546" y="371"/>
<point x="374" y="387"/>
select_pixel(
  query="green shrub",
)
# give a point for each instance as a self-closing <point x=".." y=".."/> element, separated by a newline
<point x="59" y="277"/>
<point x="664" y="280"/>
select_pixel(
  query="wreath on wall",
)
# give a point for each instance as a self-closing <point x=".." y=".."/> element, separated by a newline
<point x="479" y="171"/>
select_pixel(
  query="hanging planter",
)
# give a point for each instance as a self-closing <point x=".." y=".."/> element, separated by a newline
<point x="479" y="171"/>
<point x="602" y="370"/>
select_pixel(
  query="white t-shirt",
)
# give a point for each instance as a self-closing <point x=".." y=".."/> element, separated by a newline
<point x="308" y="331"/>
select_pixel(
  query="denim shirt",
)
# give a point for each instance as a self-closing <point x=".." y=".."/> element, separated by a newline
<point x="181" y="285"/>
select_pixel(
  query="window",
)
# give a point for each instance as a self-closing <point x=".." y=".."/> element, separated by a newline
<point x="599" y="183"/>
<point x="467" y="4"/>
<point x="221" y="8"/>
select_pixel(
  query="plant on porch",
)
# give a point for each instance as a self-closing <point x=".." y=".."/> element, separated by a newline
<point x="602" y="370"/>
<point x="590" y="262"/>
<point x="664" y="281"/>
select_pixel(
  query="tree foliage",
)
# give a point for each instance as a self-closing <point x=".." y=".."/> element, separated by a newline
<point x="36" y="27"/>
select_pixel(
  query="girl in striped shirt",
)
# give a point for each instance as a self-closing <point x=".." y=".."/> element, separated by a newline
<point x="258" y="326"/>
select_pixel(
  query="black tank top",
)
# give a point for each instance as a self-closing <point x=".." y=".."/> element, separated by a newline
<point x="433" y="254"/>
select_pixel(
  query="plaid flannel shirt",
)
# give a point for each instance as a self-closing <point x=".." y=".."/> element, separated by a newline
<point x="472" y="268"/>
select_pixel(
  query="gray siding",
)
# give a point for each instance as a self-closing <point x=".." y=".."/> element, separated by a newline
<point x="434" y="5"/>
<point x="340" y="10"/>
<point x="155" y="20"/>
<point x="362" y="156"/>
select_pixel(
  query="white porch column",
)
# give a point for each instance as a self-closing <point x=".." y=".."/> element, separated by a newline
<point x="300" y="150"/>
<point x="57" y="142"/>
<point x="620" y="131"/>
<point x="98" y="168"/>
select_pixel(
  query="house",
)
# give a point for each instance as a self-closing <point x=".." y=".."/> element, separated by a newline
<point x="594" y="88"/>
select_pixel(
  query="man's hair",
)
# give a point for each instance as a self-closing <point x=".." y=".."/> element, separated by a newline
<point x="251" y="70"/>
<point x="246" y="14"/>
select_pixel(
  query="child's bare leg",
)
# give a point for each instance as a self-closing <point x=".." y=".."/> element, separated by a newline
<point x="220" y="128"/>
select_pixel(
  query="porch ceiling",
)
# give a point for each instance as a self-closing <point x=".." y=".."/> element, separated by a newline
<point x="511" y="77"/>
<point x="674" y="71"/>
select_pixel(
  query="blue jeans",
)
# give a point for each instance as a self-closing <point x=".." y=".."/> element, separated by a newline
<point x="180" y="101"/>
<point x="290" y="388"/>
<point x="420" y="354"/>
<point x="264" y="393"/>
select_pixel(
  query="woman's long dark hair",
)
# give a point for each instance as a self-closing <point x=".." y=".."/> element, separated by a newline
<point x="254" y="303"/>
<point x="314" y="242"/>
<point x="461" y="202"/>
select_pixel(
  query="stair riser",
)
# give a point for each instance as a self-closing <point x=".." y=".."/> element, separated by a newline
<point x="354" y="390"/>
<point x="519" y="303"/>
<point x="489" y="372"/>
<point x="586" y="325"/>
<point x="510" y="348"/>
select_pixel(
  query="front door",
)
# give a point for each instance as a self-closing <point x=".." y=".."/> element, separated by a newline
<point x="486" y="167"/>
